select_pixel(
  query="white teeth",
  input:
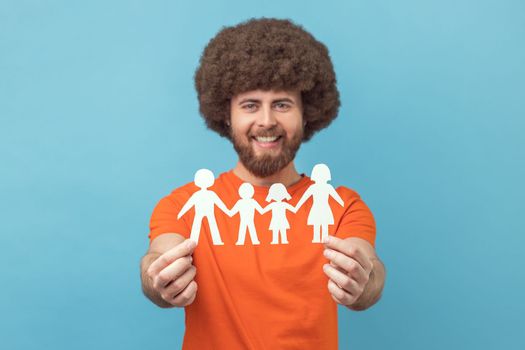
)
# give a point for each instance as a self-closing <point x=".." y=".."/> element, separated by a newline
<point x="266" y="139"/>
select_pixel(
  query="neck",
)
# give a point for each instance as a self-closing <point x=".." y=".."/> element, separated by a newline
<point x="287" y="176"/>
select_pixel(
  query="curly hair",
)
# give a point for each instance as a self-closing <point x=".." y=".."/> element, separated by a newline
<point x="266" y="54"/>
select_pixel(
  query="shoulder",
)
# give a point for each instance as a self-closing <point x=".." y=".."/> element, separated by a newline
<point x="347" y="193"/>
<point x="356" y="218"/>
<point x="353" y="203"/>
<point x="181" y="194"/>
<point x="352" y="199"/>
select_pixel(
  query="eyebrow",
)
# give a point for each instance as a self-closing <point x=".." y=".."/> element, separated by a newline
<point x="284" y="99"/>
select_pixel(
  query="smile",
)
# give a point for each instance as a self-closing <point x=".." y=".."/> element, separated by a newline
<point x="267" y="138"/>
<point x="267" y="141"/>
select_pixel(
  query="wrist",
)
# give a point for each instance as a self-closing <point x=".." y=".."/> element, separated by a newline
<point x="363" y="301"/>
<point x="147" y="282"/>
<point x="372" y="290"/>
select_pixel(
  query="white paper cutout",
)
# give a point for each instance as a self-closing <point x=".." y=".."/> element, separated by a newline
<point x="320" y="215"/>
<point x="246" y="207"/>
<point x="279" y="223"/>
<point x="204" y="202"/>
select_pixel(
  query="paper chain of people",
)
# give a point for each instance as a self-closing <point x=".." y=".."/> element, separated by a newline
<point x="203" y="201"/>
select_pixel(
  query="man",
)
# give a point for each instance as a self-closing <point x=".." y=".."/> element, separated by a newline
<point x="267" y="85"/>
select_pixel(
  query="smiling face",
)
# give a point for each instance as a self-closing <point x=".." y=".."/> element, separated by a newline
<point x="266" y="129"/>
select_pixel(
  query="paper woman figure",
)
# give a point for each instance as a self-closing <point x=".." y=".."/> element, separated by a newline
<point x="204" y="202"/>
<point x="246" y="207"/>
<point x="320" y="215"/>
<point x="279" y="223"/>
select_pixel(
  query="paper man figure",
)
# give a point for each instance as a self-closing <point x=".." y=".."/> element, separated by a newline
<point x="246" y="207"/>
<point x="204" y="202"/>
<point x="320" y="215"/>
<point x="279" y="222"/>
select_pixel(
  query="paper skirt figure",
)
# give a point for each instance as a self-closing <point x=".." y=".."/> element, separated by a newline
<point x="204" y="202"/>
<point x="279" y="223"/>
<point x="320" y="215"/>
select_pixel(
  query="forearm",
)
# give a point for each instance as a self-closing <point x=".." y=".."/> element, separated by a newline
<point x="373" y="288"/>
<point x="147" y="282"/>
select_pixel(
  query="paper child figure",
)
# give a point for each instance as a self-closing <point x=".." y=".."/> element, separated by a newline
<point x="279" y="223"/>
<point x="320" y="215"/>
<point x="246" y="207"/>
<point x="204" y="202"/>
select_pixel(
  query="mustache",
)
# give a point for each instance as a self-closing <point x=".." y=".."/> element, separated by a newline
<point x="267" y="133"/>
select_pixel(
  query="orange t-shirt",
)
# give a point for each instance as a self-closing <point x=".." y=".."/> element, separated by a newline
<point x="266" y="296"/>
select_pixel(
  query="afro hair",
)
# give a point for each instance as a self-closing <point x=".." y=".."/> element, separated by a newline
<point x="266" y="54"/>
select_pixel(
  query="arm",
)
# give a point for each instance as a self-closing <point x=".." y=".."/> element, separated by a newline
<point x="336" y="196"/>
<point x="261" y="209"/>
<point x="356" y="275"/>
<point x="303" y="199"/>
<point x="233" y="210"/>
<point x="169" y="256"/>
<point x="190" y="203"/>
<point x="220" y="204"/>
<point x="291" y="208"/>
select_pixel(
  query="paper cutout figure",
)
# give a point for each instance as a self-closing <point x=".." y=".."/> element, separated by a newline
<point x="204" y="202"/>
<point x="279" y="223"/>
<point x="246" y="207"/>
<point x="320" y="215"/>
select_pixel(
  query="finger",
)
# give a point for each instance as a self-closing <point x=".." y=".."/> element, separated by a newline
<point x="339" y="295"/>
<point x="343" y="281"/>
<point x="185" y="248"/>
<point x="180" y="283"/>
<point x="187" y="296"/>
<point x="337" y="300"/>
<point x="348" y="264"/>
<point x="349" y="249"/>
<point x="336" y="266"/>
<point x="172" y="272"/>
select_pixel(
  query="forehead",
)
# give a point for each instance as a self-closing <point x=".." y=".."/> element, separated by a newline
<point x="268" y="95"/>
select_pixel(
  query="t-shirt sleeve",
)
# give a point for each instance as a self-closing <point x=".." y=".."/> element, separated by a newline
<point x="164" y="219"/>
<point x="357" y="220"/>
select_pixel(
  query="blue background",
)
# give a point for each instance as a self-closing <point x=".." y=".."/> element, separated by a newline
<point x="99" y="120"/>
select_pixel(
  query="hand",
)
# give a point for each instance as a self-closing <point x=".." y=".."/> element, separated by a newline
<point x="172" y="274"/>
<point x="349" y="270"/>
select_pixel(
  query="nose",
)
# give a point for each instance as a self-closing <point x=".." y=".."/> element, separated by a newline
<point x="266" y="118"/>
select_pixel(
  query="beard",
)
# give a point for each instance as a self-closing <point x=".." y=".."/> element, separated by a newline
<point x="267" y="164"/>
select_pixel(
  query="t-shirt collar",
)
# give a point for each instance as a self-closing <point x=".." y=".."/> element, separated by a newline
<point x="305" y="180"/>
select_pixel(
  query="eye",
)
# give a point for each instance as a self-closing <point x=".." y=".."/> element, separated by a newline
<point x="249" y="106"/>
<point x="282" y="106"/>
